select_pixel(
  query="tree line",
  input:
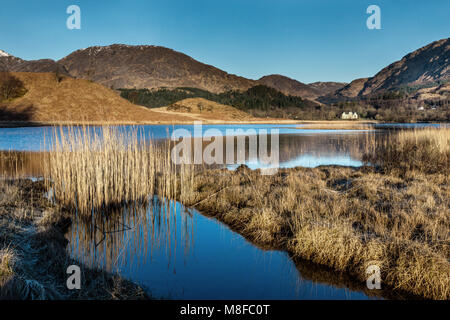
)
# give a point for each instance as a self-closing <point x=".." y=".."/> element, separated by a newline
<point x="263" y="101"/>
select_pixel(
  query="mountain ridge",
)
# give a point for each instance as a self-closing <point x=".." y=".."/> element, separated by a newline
<point x="420" y="67"/>
<point x="145" y="66"/>
<point x="149" y="66"/>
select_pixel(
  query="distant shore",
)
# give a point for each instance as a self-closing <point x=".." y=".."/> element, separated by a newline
<point x="311" y="124"/>
<point x="18" y="124"/>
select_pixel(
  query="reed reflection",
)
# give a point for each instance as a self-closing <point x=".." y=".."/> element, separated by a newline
<point x="127" y="238"/>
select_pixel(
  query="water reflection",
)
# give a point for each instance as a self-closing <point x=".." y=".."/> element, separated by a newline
<point x="127" y="238"/>
<point x="312" y="150"/>
<point x="178" y="253"/>
<point x="307" y="150"/>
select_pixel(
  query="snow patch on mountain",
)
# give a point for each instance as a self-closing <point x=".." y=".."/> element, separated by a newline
<point x="4" y="54"/>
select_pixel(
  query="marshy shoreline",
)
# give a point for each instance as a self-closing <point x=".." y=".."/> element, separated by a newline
<point x="33" y="255"/>
<point x="392" y="212"/>
<point x="263" y="209"/>
<point x="330" y="216"/>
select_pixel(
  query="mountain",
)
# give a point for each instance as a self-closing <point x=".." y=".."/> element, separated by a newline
<point x="124" y="66"/>
<point x="349" y="91"/>
<point x="353" y="89"/>
<point x="426" y="65"/>
<point x="289" y="86"/>
<point x="326" y="87"/>
<point x="39" y="66"/>
<point x="292" y="87"/>
<point x="7" y="61"/>
<point x="14" y="64"/>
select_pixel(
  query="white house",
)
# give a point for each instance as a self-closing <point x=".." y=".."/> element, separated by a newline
<point x="349" y="116"/>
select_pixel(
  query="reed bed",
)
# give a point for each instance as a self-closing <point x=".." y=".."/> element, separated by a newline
<point x="92" y="169"/>
<point x="421" y="150"/>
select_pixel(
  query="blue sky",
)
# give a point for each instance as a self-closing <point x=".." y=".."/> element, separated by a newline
<point x="308" y="40"/>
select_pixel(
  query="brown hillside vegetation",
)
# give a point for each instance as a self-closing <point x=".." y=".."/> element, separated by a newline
<point x="75" y="100"/>
<point x="70" y="100"/>
<point x="203" y="109"/>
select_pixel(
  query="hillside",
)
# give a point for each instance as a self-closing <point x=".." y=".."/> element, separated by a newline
<point x="289" y="86"/>
<point x="124" y="66"/>
<point x="70" y="100"/>
<point x="48" y="100"/>
<point x="202" y="109"/>
<point x="13" y="64"/>
<point x="152" y="67"/>
<point x="351" y="90"/>
<point x="426" y="65"/>
<point x="440" y="92"/>
<point x="8" y="61"/>
<point x="413" y="88"/>
<point x="39" y="66"/>
<point x="423" y="67"/>
<point x="260" y="100"/>
<point x="326" y="87"/>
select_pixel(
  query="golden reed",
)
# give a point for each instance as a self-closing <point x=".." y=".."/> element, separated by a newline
<point x="93" y="168"/>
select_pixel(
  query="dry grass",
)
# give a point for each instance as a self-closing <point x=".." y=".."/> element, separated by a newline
<point x="342" y="218"/>
<point x="203" y="110"/>
<point x="76" y="100"/>
<point x="33" y="256"/>
<point x="93" y="170"/>
<point x="6" y="262"/>
<point x="423" y="150"/>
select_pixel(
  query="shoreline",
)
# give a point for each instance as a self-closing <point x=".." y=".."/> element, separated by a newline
<point x="314" y="216"/>
<point x="392" y="215"/>
<point x="27" y="124"/>
<point x="224" y="196"/>
<point x="33" y="255"/>
<point x="52" y="224"/>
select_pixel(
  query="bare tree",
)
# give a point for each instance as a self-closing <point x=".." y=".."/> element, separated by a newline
<point x="10" y="86"/>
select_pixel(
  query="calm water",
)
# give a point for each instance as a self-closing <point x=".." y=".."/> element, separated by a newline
<point x="181" y="254"/>
<point x="298" y="147"/>
<point x="37" y="138"/>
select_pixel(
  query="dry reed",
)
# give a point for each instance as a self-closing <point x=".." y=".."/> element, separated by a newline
<point x="91" y="169"/>
<point x="424" y="150"/>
